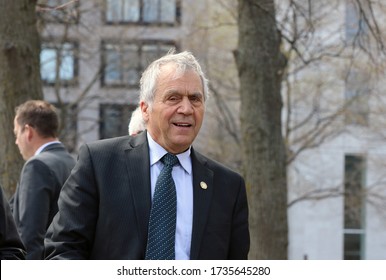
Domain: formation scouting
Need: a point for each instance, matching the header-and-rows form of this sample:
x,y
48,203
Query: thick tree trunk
x,y
260,63
19,78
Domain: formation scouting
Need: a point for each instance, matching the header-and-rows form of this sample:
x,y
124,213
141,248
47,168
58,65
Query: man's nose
x,y
186,106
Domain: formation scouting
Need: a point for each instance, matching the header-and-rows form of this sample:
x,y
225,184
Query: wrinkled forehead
x,y
176,70
172,71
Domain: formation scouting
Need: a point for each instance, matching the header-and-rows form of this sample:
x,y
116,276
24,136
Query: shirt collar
x,y
156,152
38,151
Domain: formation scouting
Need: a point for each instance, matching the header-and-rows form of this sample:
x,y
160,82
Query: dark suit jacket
x,y
35,199
11,246
104,206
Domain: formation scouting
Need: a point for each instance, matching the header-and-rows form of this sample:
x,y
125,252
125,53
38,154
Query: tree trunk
x,y
260,64
19,79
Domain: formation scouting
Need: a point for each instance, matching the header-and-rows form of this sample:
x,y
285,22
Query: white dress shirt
x,y
183,179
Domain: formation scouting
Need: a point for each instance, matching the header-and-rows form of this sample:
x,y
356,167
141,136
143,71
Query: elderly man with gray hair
x,y
153,196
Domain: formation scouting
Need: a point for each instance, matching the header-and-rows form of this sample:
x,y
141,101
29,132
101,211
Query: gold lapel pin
x,y
203,185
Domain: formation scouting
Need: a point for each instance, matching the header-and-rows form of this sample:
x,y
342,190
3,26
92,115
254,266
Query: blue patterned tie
x,y
162,224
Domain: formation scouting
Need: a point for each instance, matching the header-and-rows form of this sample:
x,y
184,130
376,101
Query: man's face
x,y
22,140
177,112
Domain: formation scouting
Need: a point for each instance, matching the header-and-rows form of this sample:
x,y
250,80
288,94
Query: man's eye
x,y
195,99
173,98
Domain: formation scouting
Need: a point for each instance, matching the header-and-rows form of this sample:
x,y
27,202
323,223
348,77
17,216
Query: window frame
x,y
140,67
350,231
141,20
127,110
53,45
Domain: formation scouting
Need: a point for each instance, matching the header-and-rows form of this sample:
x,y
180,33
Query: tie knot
x,y
169,159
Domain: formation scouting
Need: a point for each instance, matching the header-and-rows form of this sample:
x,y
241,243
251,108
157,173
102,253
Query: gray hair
x,y
137,123
184,61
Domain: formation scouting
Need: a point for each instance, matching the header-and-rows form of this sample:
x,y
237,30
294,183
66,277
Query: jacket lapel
x,y
202,196
138,172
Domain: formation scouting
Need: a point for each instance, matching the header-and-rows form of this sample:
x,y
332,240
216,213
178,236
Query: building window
x,y
68,116
143,11
124,63
58,63
355,24
357,93
114,120
353,207
58,11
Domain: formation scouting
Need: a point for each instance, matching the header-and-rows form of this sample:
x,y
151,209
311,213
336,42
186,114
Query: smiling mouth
x,y
182,124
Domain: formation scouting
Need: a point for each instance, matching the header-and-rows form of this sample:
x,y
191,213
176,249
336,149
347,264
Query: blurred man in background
x,y
47,166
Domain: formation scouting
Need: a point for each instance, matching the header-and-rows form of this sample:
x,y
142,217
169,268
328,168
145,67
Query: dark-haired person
x,y
11,246
47,166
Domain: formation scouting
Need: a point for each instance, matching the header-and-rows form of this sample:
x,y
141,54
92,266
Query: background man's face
x,y
21,140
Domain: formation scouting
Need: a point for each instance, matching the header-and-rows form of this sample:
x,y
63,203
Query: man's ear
x,y
30,131
145,110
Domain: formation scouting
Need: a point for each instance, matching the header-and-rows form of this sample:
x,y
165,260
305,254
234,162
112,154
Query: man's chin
x,y
181,145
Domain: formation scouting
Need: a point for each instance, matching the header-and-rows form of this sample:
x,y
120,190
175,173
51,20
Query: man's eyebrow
x,y
197,94
172,91
175,91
